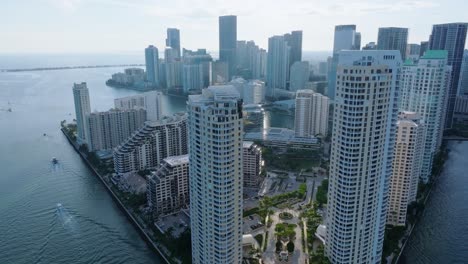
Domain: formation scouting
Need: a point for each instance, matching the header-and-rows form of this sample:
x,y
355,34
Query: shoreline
x,y
433,183
119,203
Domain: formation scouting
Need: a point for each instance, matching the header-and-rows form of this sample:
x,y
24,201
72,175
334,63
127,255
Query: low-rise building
x,y
282,138
168,186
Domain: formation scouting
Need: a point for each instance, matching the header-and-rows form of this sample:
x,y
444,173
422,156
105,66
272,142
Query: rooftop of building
x,y
435,54
216,92
177,160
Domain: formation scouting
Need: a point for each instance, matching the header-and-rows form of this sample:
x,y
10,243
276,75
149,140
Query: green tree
x,y
290,247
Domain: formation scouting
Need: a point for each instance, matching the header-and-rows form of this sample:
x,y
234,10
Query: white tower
x,y
215,150
424,90
82,109
311,116
361,155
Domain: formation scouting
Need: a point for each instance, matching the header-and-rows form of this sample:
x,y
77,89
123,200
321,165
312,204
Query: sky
x,y
107,26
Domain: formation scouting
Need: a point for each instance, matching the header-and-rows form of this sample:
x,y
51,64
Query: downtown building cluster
x,y
391,103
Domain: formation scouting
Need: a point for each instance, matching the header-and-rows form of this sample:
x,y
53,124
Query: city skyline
x,y
77,20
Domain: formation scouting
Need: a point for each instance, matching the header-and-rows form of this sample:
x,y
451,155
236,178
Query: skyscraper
x,y
192,77
215,133
82,110
152,64
173,40
294,41
413,50
228,42
406,166
202,58
393,38
110,128
365,116
450,37
299,75
150,101
424,90
357,41
463,83
424,46
277,64
344,39
311,117
174,69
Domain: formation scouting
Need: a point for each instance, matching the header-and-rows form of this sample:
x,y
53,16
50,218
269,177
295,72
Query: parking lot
x,y
177,222
251,224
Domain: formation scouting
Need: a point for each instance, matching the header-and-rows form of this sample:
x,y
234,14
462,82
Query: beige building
x,y
168,187
407,164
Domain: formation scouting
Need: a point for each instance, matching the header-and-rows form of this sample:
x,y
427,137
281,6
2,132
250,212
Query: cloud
x,y
66,4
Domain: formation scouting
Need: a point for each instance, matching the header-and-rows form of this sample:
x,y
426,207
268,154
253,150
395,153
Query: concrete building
x,y
216,177
323,68
174,68
202,58
344,39
168,186
173,40
282,138
192,77
228,42
370,46
251,60
219,73
450,37
152,65
153,142
424,46
393,38
357,41
150,101
254,92
294,41
277,65
409,145
108,129
424,89
365,117
300,72
82,110
413,51
460,116
463,83
311,117
252,164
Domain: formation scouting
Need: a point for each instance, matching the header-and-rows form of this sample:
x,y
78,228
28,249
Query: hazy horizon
x,y
96,26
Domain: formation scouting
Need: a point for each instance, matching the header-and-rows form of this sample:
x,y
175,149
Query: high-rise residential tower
x,y
463,83
393,38
424,90
450,37
228,42
365,117
173,39
344,39
424,46
152,64
150,101
299,75
406,166
215,132
82,110
277,64
294,41
311,116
